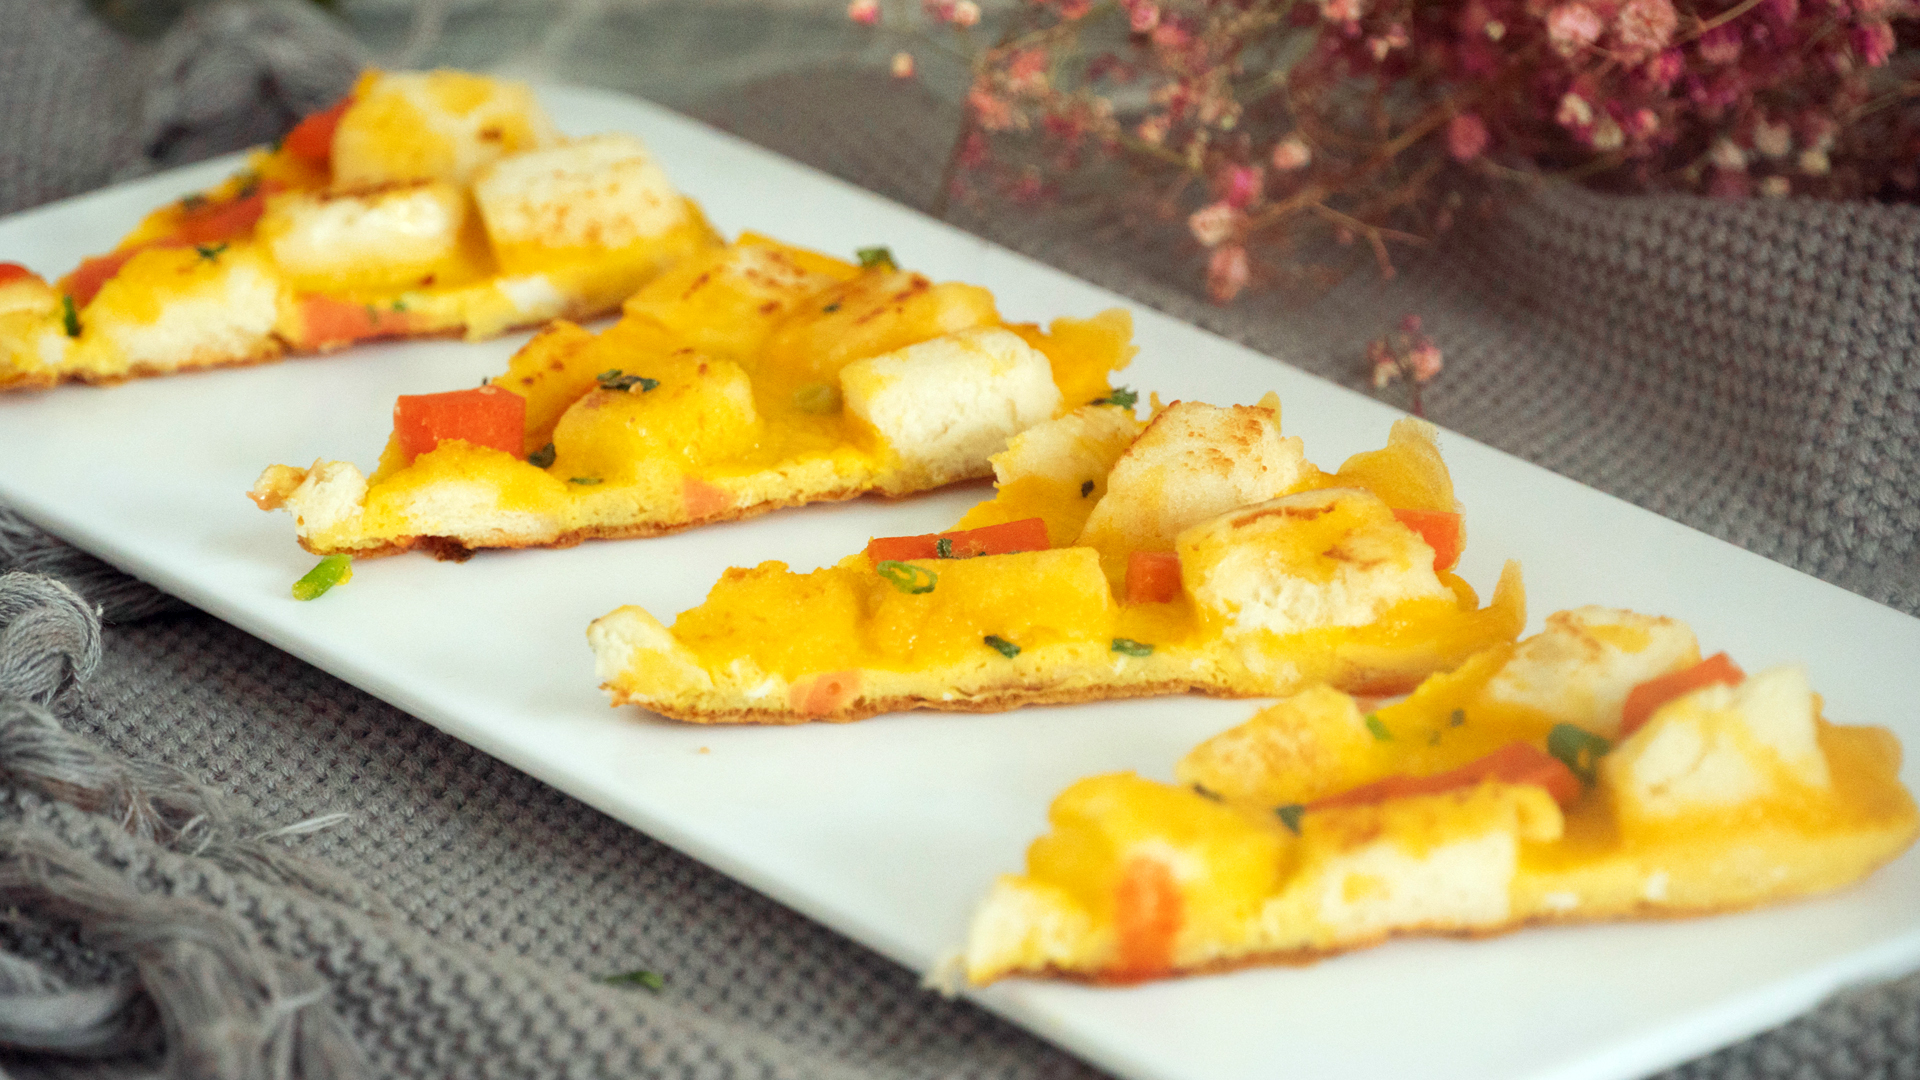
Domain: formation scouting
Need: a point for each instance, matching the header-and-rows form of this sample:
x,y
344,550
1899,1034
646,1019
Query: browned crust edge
x,y
1001,700
1641,912
455,549
280,348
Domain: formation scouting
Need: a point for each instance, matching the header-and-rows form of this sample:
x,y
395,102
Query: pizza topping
x,y
1578,749
311,140
1002,646
488,416
1514,763
330,571
872,258
1027,534
1645,699
1378,728
1148,909
69,318
1153,577
819,399
1130,647
12,272
541,458
907,577
1121,396
1442,530
615,379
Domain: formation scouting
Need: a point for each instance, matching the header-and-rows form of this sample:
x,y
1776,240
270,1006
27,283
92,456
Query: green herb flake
x,y
651,980
1379,729
248,187
1289,816
1131,647
872,258
615,379
1002,646
1204,793
399,305
943,547
1578,749
819,399
332,570
541,458
69,316
195,201
907,577
1121,396
585,481
1086,488
831,308
210,252
1457,717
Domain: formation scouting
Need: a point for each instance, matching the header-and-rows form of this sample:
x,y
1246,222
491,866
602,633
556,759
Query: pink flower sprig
x,y
1407,354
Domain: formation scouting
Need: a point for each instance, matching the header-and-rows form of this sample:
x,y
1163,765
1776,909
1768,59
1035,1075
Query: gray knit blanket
x,y
216,861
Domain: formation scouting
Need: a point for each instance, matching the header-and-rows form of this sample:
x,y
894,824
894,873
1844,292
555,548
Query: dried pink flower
x,y
1424,360
1342,11
864,12
1572,27
1070,10
1291,153
1227,273
1574,111
1872,43
1213,223
903,65
1467,137
964,13
990,111
1027,70
1153,130
1644,27
1142,15
1720,45
1243,183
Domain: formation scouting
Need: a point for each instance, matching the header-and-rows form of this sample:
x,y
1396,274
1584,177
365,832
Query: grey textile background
x,y
1750,369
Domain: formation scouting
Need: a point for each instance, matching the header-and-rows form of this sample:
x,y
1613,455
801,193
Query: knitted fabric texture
x,y
1779,336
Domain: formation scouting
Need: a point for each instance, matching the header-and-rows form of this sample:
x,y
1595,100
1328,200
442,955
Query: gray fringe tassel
x,y
198,981
116,597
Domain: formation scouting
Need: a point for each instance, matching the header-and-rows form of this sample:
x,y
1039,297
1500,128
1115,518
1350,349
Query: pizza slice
x,y
1600,770
748,378
424,203
1198,552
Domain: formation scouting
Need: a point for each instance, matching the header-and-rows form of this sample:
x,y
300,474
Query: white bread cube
x,y
1306,747
1718,747
433,125
1580,668
1028,925
1080,446
600,194
175,308
946,405
33,339
390,236
1331,557
1193,462
628,639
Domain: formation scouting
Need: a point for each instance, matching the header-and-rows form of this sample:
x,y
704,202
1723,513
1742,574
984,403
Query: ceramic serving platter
x,y
890,830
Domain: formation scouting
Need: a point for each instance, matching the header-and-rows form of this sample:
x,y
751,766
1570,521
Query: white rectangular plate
x,y
889,830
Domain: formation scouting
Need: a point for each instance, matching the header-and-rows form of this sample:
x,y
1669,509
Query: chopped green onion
x,y
817,398
615,379
1379,729
1132,647
1458,717
1086,489
831,308
210,252
876,257
652,980
541,458
332,570
1578,749
1290,816
399,305
193,202
943,547
69,317
1001,645
585,481
1121,396
907,577
1204,793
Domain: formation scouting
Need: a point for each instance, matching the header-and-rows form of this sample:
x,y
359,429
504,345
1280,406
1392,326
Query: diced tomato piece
x,y
1443,530
824,695
1027,534
216,222
1148,911
12,272
488,416
1153,577
1645,700
1514,763
311,139
705,500
329,322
